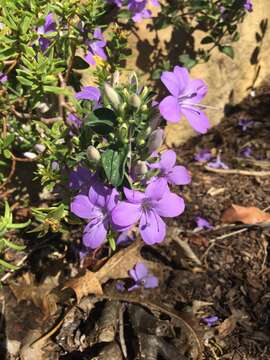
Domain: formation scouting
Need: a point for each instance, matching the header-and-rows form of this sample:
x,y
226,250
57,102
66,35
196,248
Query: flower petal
x,y
97,195
152,228
170,205
198,88
170,109
94,234
197,119
168,160
171,82
134,196
182,77
81,206
156,189
141,271
179,176
88,93
150,282
89,58
125,215
112,199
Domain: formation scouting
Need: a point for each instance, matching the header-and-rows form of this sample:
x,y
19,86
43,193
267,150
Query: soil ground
x,y
222,273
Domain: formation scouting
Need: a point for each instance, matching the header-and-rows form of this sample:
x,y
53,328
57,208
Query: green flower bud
x,y
135,101
93,154
112,96
133,80
144,108
144,92
123,132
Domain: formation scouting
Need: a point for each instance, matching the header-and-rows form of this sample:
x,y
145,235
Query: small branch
x,y
188,251
71,62
11,173
238,172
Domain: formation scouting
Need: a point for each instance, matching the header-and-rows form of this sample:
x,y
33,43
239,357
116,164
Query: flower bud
x,y
141,168
116,76
135,101
55,166
30,155
123,107
144,107
155,140
112,96
40,148
93,154
145,91
123,132
133,80
43,107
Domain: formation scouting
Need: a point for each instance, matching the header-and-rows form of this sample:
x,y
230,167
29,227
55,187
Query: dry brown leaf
x,y
84,285
227,327
39,294
246,215
35,351
116,267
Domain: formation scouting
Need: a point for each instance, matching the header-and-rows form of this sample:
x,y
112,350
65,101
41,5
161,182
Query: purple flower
x,y
96,208
88,93
248,5
95,47
125,237
141,277
210,320
3,78
73,120
203,155
246,152
184,99
48,27
175,175
203,223
218,164
245,124
148,208
120,286
81,180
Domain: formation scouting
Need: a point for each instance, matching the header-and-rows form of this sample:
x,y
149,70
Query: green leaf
x,y
207,40
7,154
112,243
56,90
113,163
187,61
101,121
8,265
80,63
227,50
24,81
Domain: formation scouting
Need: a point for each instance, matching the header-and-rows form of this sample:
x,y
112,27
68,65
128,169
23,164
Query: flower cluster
x,y
124,181
138,8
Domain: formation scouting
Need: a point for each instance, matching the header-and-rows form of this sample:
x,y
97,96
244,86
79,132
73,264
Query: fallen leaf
x,y
84,285
40,294
116,267
36,350
227,327
246,215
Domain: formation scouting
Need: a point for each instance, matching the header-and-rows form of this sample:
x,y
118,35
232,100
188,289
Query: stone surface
x,y
229,80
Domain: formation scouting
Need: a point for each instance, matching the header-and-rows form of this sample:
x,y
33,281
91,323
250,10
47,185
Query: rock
x,y
229,80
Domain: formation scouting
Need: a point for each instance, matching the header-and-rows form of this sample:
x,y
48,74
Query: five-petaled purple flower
x,y
175,175
95,47
148,208
3,78
203,223
210,320
218,164
248,5
140,275
245,124
184,99
81,180
203,155
96,208
138,9
48,27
